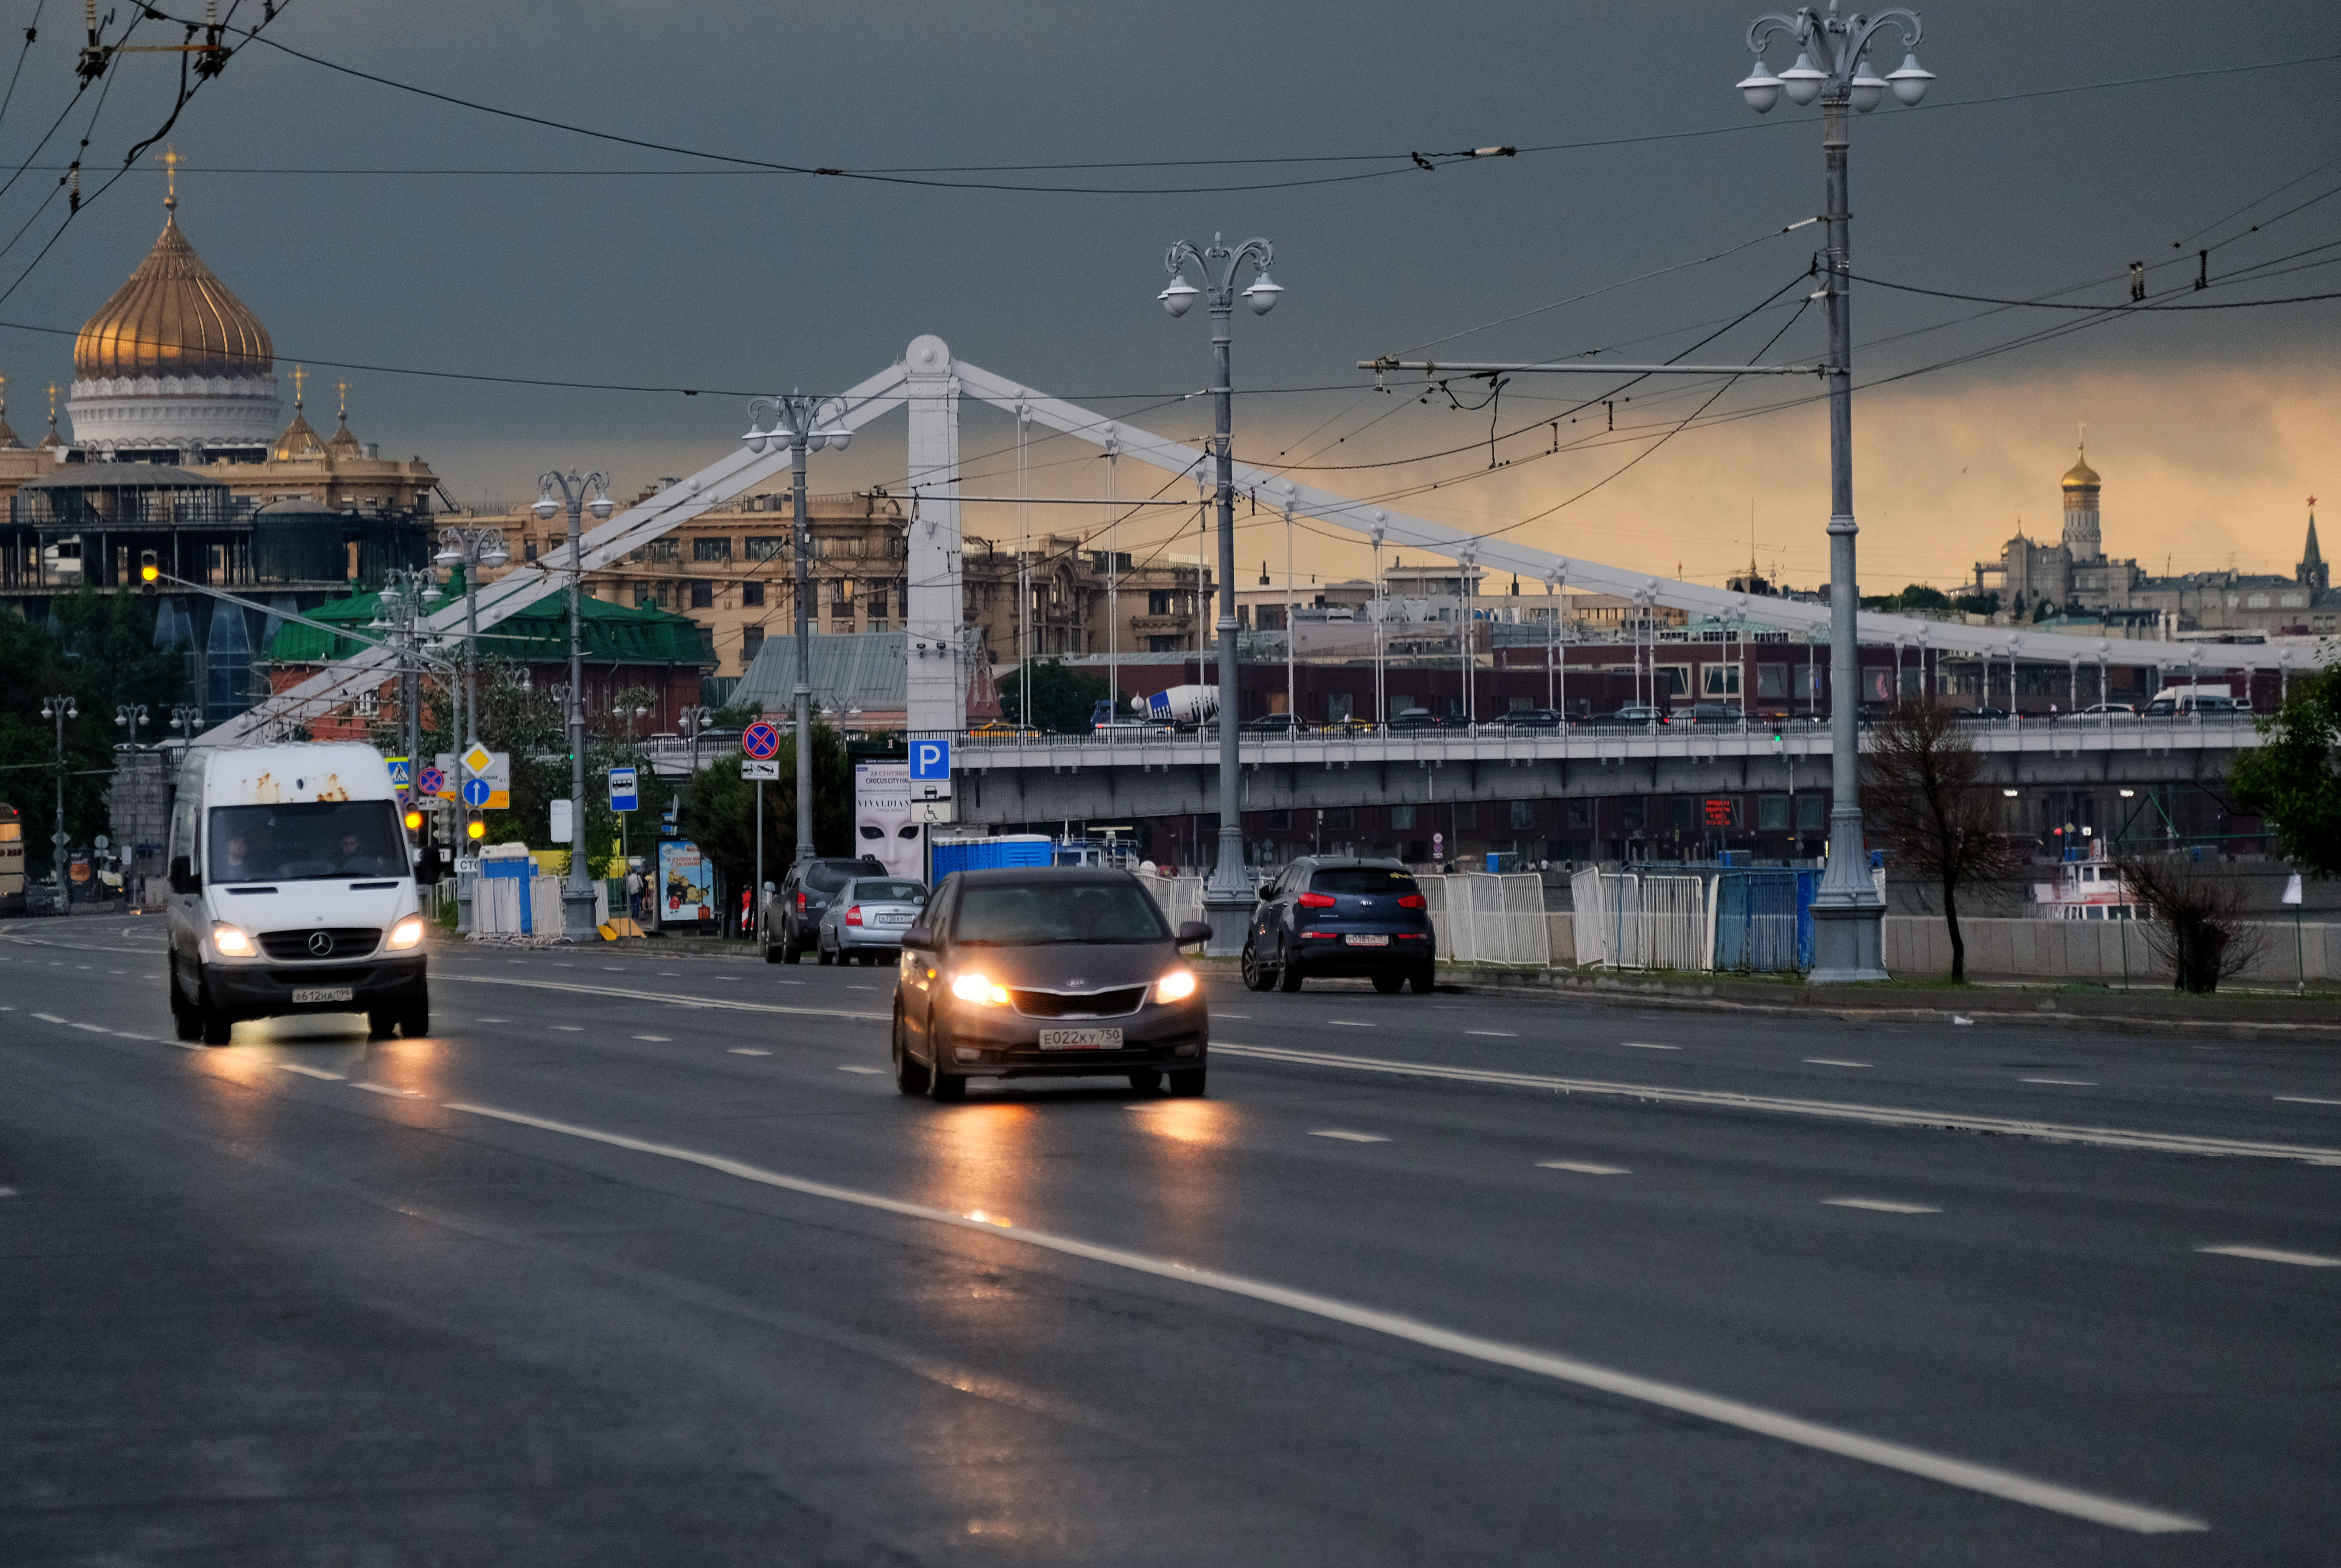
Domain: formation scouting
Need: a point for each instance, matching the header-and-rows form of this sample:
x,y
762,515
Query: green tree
x,y
99,650
2294,778
1923,793
1063,699
719,812
1919,596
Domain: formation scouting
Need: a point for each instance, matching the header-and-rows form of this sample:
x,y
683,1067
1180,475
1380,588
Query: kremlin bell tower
x,y
2081,490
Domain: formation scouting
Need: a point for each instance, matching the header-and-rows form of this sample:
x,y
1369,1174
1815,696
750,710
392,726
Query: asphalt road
x,y
641,1259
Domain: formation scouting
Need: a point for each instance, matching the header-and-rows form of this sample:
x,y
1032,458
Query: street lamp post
x,y
1833,65
130,716
577,897
1227,895
798,424
59,708
471,548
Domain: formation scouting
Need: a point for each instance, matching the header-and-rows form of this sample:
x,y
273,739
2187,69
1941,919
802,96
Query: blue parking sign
x,y
930,760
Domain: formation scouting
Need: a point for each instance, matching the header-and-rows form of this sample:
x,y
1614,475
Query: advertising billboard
x,y
883,825
686,882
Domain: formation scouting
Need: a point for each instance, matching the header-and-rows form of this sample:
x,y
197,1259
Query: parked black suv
x,y
794,914
1333,915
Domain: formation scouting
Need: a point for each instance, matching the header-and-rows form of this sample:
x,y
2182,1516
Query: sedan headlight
x,y
975,988
231,942
1175,986
407,932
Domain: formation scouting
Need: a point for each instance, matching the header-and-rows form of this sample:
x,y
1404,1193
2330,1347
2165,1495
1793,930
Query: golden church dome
x,y
2081,476
173,318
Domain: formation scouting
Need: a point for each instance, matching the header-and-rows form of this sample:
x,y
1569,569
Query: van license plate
x,y
1080,1039
1366,941
304,995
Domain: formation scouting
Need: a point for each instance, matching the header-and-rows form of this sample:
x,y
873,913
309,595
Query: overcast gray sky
x,y
2211,428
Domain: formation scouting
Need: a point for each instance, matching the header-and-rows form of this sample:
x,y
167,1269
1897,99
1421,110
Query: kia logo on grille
x,y
320,944
1077,981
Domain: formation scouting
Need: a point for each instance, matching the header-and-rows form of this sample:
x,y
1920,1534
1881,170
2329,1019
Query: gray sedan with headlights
x,y
1035,972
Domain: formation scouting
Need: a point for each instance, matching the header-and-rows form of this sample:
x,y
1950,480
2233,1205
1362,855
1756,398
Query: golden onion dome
x,y
2081,476
173,318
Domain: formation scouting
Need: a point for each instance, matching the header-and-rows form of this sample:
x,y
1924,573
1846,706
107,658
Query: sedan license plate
x,y
1080,1039
303,995
1365,941
893,919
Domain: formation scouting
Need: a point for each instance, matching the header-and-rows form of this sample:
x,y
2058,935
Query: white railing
x,y
1482,919
1637,920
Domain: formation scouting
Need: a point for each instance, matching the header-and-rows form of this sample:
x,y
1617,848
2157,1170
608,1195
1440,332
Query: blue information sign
x,y
930,760
622,795
476,791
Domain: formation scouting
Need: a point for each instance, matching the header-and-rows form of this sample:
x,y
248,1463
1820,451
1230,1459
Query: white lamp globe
x,y
1909,83
1761,88
600,506
1869,87
1179,296
545,505
1802,82
1263,294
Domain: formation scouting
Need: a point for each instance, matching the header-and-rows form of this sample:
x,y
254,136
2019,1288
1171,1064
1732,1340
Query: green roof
x,y
612,633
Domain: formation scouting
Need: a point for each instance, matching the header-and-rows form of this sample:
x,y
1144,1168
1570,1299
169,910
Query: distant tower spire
x,y
2082,488
343,388
299,376
2313,572
171,161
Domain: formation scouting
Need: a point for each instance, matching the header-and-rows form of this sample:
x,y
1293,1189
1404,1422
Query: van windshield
x,y
1051,912
306,841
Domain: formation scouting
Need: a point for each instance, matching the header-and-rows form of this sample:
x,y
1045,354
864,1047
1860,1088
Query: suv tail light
x,y
1316,900
800,900
853,916
1410,901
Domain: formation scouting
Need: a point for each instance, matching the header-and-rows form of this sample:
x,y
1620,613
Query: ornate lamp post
x,y
130,716
1228,895
577,897
59,709
1833,65
471,548
798,424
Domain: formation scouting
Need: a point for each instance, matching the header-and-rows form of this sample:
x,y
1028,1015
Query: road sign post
x,y
931,773
624,798
762,742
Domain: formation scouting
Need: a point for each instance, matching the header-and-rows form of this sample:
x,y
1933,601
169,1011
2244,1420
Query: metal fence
x,y
1634,920
1483,919
1181,899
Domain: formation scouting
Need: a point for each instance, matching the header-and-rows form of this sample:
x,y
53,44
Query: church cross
x,y
343,388
299,376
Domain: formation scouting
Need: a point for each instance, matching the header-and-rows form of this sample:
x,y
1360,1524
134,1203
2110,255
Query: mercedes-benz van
x,y
291,890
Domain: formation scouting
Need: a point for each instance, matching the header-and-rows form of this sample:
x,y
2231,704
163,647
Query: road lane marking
x,y
849,1067
1582,1168
660,1038
2305,1100
1646,1045
1350,1138
1245,1015
387,1090
1880,1204
725,1003
492,1021
1988,1480
1347,1024
748,1051
571,1029
307,1071
1493,1034
1833,1062
2270,1255
2071,1083
1835,1110
95,1028
48,1018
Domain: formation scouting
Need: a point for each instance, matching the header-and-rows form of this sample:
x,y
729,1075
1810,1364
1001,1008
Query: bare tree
x,y
1923,792
2197,925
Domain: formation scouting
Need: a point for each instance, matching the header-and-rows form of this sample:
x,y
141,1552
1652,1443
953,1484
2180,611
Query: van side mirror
x,y
1193,931
919,936
183,876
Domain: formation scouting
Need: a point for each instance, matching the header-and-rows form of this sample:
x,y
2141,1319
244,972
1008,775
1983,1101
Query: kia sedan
x,y
1032,972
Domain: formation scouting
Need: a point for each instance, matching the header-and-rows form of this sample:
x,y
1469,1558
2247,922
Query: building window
x,y
1808,813
1682,813
711,550
1772,813
702,596
1401,819
528,549
752,638
1160,644
877,605
841,597
644,599
1719,680
1633,811
1399,701
767,547
707,643
1467,815
752,595
1339,706
1523,814
1335,818
1672,679
1279,821
842,628
1580,813
1158,601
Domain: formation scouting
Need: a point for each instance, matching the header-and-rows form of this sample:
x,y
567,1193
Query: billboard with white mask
x,y
883,823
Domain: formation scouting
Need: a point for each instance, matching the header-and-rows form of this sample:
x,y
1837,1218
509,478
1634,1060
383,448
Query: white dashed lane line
x,y
2069,1083
307,1071
2271,1254
571,1029
2305,1100
1493,1034
1880,1204
1647,1045
748,1051
849,1067
387,1090
1350,1138
1833,1062
1349,1024
1582,1168
661,1040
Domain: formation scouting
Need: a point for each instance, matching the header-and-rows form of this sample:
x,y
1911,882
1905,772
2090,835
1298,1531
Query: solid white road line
x,y
2270,1255
2070,1083
1987,1479
725,1003
1582,1168
1350,1138
2305,1100
1835,1110
307,1071
1880,1204
1833,1062
748,1051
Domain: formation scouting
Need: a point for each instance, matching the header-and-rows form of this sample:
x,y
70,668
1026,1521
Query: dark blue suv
x,y
1328,916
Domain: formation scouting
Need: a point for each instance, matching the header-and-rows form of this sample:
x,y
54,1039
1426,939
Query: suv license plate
x,y
303,995
1080,1039
1365,941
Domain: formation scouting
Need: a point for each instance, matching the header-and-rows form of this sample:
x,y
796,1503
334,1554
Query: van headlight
x,y
975,988
1175,986
231,942
407,932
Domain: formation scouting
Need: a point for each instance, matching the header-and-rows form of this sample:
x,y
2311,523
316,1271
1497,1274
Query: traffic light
x,y
415,818
475,826
149,569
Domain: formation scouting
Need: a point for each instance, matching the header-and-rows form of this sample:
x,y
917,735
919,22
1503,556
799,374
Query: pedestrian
x,y
634,892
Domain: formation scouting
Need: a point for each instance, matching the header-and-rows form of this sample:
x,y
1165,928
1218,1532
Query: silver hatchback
x,y
866,919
